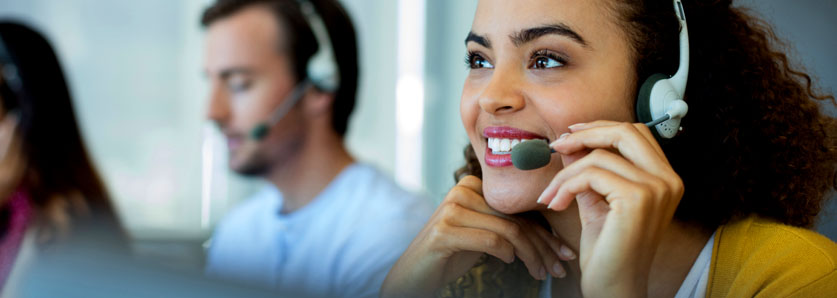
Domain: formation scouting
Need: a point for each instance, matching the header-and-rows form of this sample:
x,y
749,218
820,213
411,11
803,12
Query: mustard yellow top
x,y
756,257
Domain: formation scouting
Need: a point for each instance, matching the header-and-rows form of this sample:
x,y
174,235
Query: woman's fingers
x,y
593,179
472,183
626,138
650,200
563,252
599,158
471,239
552,251
643,129
510,231
468,193
464,207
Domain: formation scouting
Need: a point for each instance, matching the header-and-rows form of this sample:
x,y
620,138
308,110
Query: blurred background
x,y
135,73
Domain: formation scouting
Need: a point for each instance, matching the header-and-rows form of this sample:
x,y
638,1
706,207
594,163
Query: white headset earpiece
x,y
660,101
322,67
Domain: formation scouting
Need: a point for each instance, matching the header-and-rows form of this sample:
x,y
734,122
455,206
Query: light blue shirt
x,y
342,244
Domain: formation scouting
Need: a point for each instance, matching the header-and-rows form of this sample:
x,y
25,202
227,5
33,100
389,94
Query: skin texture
x,y
250,75
608,194
12,158
544,101
249,79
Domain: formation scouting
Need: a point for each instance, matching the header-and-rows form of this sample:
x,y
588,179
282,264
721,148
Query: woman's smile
x,y
499,142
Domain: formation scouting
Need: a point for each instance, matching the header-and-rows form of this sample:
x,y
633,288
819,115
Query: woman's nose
x,y
502,94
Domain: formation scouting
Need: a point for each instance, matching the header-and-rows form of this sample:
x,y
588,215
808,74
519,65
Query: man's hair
x,y
302,44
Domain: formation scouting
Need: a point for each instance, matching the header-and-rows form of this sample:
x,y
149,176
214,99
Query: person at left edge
x,y
325,225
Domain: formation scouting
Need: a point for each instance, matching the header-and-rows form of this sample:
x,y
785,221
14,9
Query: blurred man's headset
x,y
321,71
660,103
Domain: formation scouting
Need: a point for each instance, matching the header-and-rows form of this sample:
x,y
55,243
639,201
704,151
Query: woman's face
x,y
12,158
537,67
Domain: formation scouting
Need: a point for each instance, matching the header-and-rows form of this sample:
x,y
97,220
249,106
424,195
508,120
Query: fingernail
x,y
574,126
540,199
552,204
559,270
567,252
560,138
542,273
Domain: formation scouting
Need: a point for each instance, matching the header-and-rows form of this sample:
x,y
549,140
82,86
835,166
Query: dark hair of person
x,y
65,188
756,139
303,44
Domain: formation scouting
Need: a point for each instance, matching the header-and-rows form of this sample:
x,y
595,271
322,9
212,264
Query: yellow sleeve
x,y
755,257
823,287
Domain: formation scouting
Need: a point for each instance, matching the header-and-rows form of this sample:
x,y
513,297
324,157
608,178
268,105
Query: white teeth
x,y
503,146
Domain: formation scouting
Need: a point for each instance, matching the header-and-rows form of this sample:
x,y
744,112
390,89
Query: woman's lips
x,y
500,140
509,133
497,160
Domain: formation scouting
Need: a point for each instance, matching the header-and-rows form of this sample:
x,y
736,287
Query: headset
x,y
660,103
321,71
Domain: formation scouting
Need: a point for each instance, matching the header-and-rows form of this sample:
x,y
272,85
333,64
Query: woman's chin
x,y
510,198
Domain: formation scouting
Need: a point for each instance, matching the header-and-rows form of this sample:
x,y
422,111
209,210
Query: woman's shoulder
x,y
769,236
758,255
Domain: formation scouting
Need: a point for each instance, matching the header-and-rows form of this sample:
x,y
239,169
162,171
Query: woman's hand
x,y
627,193
462,229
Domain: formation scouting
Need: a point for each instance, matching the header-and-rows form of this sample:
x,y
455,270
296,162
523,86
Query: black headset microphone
x,y
659,104
321,72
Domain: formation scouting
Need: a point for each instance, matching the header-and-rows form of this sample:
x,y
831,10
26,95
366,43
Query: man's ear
x,y
318,103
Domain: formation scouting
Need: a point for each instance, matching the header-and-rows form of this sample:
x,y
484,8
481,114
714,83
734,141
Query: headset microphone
x,y
321,71
261,130
531,154
659,105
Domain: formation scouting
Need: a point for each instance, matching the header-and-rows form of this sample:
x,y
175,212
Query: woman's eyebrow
x,y
527,35
479,39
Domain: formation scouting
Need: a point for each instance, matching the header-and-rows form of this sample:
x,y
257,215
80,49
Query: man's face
x,y
250,75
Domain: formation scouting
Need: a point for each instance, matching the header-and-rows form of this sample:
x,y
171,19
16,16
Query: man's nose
x,y
219,106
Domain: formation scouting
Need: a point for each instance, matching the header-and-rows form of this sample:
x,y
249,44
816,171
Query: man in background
x,y
325,225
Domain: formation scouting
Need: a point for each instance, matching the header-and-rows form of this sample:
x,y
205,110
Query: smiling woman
x,y
646,218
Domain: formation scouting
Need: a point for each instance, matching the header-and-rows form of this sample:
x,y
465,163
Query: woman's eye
x,y
476,61
546,60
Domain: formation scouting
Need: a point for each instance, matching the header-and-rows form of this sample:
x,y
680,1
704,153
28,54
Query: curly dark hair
x,y
756,140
